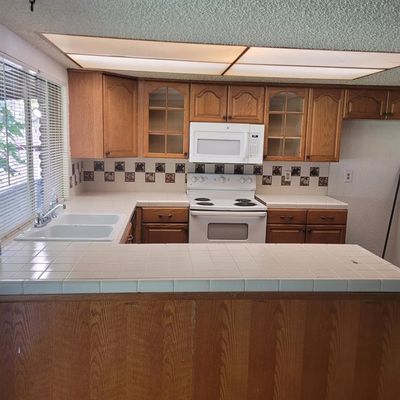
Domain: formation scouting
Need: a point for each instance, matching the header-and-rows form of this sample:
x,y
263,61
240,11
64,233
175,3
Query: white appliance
x,y
226,143
223,209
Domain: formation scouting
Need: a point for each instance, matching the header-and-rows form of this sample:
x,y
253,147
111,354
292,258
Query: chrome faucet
x,y
43,219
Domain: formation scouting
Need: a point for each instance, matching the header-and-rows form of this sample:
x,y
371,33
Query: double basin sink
x,y
77,227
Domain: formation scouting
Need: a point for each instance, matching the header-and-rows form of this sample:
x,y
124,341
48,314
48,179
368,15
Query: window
x,y
33,159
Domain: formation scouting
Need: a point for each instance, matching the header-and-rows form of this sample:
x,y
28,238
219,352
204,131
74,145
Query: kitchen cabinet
x,y
324,124
285,123
223,103
393,105
306,226
165,119
127,236
163,225
365,104
102,112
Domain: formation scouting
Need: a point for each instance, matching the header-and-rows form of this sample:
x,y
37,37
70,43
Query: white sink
x,y
88,219
77,227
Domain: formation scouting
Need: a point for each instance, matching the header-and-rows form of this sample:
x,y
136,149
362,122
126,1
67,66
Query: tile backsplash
x,y
134,174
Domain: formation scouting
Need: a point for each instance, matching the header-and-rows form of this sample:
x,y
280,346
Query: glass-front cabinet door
x,y
285,123
166,119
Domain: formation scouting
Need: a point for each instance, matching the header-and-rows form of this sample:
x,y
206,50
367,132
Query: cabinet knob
x,y
108,153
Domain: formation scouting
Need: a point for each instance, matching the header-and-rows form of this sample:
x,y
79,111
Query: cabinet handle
x,y
108,153
185,154
162,215
324,218
286,217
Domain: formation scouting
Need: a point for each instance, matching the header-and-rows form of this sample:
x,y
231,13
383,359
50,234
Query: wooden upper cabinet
x,y
365,103
285,123
246,104
165,119
324,124
119,104
86,114
208,103
222,103
102,115
393,105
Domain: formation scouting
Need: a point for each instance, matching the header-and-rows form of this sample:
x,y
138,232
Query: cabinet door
x,y
285,233
393,106
119,104
324,125
127,236
86,114
208,103
166,119
164,233
246,104
365,104
334,234
285,123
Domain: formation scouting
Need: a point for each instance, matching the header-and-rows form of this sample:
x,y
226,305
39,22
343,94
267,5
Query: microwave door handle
x,y
246,146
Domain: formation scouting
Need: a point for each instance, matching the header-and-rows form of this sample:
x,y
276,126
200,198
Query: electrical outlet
x,y
288,176
348,176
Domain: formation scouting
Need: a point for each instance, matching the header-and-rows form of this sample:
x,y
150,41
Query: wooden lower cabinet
x,y
286,233
201,346
306,226
164,233
333,234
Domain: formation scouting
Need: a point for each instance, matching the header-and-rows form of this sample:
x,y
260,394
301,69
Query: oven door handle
x,y
251,214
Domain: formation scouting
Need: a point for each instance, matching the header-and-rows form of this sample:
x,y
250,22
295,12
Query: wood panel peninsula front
x,y
283,322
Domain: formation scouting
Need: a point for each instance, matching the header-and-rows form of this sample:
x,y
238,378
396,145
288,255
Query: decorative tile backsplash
x,y
170,175
76,175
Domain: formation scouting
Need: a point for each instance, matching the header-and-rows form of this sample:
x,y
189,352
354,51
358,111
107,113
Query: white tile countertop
x,y
71,267
300,201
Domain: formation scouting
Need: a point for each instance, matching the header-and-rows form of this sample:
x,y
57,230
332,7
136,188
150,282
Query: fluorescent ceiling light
x,y
282,71
145,49
150,65
319,58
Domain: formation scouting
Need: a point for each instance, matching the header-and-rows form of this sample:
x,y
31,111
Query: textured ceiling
x,y
366,25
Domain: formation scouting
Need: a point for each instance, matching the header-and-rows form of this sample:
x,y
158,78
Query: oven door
x,y
226,226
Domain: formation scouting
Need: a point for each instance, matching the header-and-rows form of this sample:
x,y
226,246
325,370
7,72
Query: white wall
x,y
371,149
20,50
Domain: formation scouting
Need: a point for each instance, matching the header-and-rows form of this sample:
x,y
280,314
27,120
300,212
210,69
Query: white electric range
x,y
223,209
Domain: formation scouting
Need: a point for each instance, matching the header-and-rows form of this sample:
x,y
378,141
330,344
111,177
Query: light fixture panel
x,y
149,65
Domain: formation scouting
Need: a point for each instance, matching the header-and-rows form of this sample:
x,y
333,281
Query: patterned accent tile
x,y
150,177
219,168
119,166
129,177
98,165
314,171
180,168
238,169
169,178
80,176
276,170
257,169
75,180
267,180
160,167
88,176
140,167
199,168
284,182
304,181
323,181
109,176
296,171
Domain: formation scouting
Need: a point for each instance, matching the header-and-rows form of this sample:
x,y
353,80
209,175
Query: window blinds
x,y
33,159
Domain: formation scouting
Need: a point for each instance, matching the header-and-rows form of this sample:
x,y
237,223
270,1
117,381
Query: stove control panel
x,y
221,181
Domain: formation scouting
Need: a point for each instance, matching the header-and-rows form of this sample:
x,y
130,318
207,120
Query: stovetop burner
x,y
245,204
243,200
202,199
205,203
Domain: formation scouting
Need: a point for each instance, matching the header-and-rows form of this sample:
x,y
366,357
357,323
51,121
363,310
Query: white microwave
x,y
212,142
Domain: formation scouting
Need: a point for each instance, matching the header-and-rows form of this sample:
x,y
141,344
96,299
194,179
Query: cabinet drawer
x,y
165,233
165,215
287,216
327,217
